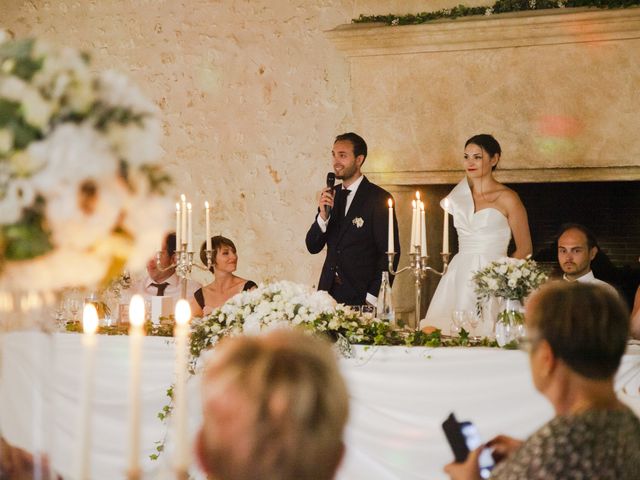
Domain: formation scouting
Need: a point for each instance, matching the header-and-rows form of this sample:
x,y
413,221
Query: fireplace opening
x,y
610,209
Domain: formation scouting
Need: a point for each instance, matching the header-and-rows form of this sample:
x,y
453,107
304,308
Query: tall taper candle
x,y
183,218
181,336
412,245
83,447
207,224
189,228
423,231
178,228
445,227
390,239
136,334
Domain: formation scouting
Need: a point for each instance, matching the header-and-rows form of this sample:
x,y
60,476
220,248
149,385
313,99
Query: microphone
x,y
331,181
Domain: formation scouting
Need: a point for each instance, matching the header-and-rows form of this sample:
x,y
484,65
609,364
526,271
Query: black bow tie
x,y
161,288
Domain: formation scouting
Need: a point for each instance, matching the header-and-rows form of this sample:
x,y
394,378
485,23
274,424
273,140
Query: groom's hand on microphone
x,y
326,199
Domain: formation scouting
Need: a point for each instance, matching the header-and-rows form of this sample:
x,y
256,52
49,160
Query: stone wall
x,y
252,94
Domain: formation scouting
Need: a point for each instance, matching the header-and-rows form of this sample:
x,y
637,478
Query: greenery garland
x,y
500,6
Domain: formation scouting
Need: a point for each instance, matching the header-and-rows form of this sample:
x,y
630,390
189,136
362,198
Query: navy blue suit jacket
x,y
356,246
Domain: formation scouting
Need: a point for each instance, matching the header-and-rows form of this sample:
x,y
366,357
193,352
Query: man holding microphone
x,y
352,221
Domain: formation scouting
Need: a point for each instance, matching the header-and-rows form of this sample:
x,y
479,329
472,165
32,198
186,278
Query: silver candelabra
x,y
184,264
418,265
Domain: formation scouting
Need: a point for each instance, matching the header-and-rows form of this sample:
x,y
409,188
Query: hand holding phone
x,y
464,437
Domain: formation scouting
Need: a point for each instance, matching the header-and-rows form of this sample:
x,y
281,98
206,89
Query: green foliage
x,y
27,238
500,6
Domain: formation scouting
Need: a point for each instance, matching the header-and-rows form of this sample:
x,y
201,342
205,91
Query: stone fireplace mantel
x,y
507,30
558,88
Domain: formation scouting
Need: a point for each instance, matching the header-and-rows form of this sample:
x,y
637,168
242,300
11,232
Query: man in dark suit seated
x,y
352,221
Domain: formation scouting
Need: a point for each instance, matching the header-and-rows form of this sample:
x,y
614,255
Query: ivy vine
x,y
500,6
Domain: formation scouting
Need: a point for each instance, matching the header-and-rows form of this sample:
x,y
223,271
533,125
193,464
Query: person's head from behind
x,y
158,267
349,153
579,327
577,247
225,255
274,407
481,155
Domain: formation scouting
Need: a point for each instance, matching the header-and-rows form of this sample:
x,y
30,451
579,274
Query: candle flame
x,y
177,206
413,204
390,203
136,311
89,319
206,205
183,312
417,195
189,206
422,206
183,198
446,203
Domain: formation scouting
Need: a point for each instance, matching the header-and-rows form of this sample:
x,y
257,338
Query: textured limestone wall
x,y
252,93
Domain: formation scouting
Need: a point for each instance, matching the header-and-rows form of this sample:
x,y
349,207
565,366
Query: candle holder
x,y
418,265
184,265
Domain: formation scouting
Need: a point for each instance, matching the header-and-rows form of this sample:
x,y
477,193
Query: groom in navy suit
x,y
352,221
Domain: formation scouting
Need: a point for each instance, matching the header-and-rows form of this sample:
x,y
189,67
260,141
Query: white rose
x,y
6,140
13,88
65,153
513,282
19,194
37,110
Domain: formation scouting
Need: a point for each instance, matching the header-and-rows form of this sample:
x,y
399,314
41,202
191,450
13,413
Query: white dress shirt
x,y
590,278
145,288
353,188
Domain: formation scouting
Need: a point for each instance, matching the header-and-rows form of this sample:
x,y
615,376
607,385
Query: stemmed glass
x,y
474,320
73,303
460,319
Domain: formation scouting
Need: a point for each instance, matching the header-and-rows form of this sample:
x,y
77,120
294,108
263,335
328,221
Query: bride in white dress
x,y
485,213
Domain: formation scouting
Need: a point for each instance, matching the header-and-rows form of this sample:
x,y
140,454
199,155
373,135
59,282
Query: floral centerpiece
x,y
511,280
80,182
277,305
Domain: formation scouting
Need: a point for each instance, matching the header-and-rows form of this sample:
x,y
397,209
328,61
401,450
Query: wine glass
x,y
473,319
72,304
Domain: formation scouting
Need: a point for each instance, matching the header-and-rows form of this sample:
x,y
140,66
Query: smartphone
x,y
464,437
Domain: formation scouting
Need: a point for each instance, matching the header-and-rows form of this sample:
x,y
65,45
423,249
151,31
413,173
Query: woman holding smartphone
x,y
577,334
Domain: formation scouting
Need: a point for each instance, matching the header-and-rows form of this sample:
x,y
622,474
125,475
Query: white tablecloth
x,y
399,398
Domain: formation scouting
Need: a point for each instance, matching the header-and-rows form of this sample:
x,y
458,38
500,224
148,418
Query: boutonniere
x,y
358,222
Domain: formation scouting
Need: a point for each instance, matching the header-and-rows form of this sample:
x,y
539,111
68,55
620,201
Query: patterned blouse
x,y
598,444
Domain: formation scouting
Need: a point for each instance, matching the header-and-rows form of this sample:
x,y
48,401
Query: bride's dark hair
x,y
488,144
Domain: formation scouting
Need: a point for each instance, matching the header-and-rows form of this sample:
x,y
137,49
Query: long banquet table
x,y
399,398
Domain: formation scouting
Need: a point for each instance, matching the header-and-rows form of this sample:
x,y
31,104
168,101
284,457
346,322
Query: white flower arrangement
x,y
508,278
279,305
80,182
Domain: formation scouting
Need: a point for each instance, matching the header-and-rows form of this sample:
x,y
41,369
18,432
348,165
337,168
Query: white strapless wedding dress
x,y
482,237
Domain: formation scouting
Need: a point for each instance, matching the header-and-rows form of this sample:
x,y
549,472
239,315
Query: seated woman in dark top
x,y
577,334
225,284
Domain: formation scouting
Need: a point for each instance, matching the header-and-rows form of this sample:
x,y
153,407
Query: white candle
x,y
423,231
178,228
416,240
412,245
136,334
83,447
390,239
183,219
181,335
189,228
445,227
207,224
